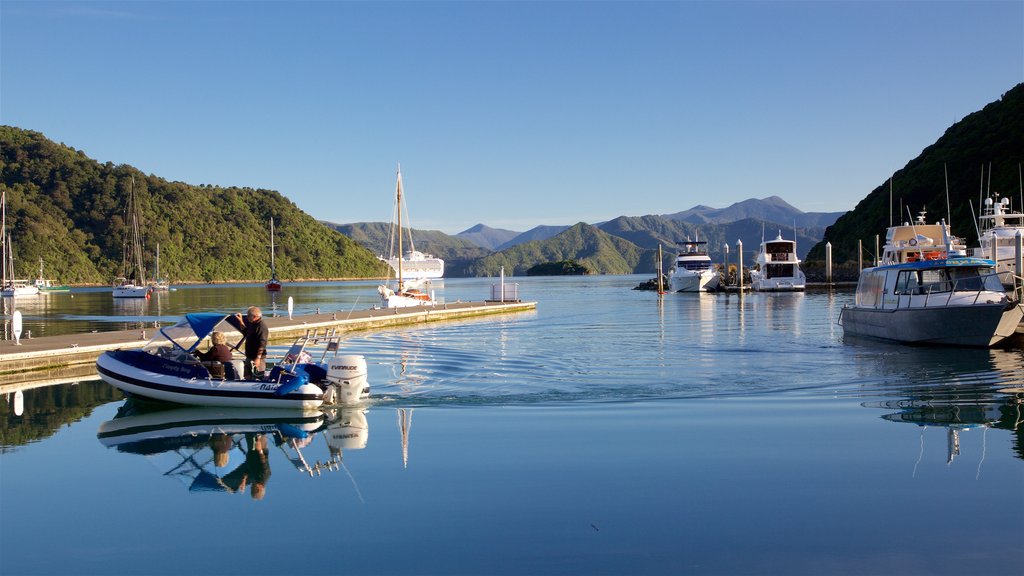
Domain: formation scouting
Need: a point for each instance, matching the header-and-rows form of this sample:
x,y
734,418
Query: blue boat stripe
x,y
268,395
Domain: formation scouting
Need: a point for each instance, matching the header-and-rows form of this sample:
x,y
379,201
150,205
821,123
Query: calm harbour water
x,y
604,433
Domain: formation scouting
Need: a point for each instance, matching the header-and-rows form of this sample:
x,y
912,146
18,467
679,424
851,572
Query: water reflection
x,y
229,450
957,409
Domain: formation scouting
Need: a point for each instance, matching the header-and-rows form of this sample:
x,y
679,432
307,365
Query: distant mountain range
x,y
623,245
771,209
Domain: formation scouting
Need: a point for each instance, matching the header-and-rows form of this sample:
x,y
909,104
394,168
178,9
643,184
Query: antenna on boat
x,y
975,219
890,201
1021,183
920,250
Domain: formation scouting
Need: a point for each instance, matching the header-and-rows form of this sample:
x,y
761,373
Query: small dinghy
x,y
168,369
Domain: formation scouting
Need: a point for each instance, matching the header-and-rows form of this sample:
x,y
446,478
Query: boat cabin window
x,y
869,288
907,283
970,278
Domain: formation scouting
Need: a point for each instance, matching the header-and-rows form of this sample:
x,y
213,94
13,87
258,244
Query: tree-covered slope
x,y
68,210
993,136
597,250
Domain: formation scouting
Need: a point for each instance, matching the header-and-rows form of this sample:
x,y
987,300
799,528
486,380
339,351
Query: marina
x,y
578,437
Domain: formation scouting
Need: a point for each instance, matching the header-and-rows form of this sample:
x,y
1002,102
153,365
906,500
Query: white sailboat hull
x,y
131,291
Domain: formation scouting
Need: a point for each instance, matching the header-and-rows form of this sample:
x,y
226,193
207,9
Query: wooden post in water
x,y
725,270
828,262
878,259
739,264
860,254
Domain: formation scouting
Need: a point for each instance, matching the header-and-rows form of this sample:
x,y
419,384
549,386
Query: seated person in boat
x,y
219,350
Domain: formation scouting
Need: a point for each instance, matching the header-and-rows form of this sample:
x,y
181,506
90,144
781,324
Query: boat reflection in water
x,y
958,410
228,450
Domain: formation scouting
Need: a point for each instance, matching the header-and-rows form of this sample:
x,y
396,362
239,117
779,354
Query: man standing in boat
x,y
256,335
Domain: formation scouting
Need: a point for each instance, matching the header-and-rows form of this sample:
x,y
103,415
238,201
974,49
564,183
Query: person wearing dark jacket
x,y
256,336
219,350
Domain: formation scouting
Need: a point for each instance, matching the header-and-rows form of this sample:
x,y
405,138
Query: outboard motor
x,y
346,380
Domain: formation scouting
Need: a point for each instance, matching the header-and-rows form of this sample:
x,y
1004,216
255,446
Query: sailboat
x,y
9,286
406,293
45,285
131,284
159,284
273,285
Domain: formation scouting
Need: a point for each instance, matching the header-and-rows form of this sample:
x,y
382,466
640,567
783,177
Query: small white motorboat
x,y
167,369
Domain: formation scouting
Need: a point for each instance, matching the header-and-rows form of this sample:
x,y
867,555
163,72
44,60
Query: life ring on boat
x,y
913,242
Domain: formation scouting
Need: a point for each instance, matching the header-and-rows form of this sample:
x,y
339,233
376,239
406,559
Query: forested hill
x,y
68,210
992,137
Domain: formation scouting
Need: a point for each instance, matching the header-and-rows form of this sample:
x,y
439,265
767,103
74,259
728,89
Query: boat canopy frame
x,y
193,329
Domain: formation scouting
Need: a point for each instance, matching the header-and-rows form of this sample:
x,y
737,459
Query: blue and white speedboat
x,y
925,292
167,369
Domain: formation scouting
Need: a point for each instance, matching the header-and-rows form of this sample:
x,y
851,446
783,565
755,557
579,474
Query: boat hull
x,y
19,291
979,325
686,281
191,388
131,291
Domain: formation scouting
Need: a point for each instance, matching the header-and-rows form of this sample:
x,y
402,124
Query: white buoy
x,y
17,327
291,306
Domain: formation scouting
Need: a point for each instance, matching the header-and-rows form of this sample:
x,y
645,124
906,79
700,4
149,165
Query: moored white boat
x,y
9,285
926,292
778,267
167,370
693,270
417,266
407,292
998,226
132,284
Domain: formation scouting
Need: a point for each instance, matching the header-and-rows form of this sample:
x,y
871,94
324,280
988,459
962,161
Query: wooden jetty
x,y
38,358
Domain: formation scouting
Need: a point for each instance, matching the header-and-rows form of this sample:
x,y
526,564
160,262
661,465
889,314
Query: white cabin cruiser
x,y
998,226
778,267
166,369
693,271
925,291
946,301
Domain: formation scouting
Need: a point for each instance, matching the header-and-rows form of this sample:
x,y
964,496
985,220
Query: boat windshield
x,y
958,279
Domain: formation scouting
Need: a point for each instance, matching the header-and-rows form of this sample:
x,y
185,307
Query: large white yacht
x,y
998,225
778,267
693,271
418,266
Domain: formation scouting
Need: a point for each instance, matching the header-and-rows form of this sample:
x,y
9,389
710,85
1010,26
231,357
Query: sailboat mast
x,y
3,235
273,270
398,201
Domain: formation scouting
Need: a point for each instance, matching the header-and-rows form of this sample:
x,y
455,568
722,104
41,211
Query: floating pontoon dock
x,y
55,352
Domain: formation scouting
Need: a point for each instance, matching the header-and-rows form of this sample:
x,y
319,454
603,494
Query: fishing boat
x,y
167,369
45,285
926,291
273,285
693,271
998,226
9,285
132,283
778,267
159,283
408,292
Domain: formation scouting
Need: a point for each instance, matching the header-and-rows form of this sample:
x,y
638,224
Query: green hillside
x,y
588,245
993,136
69,210
457,253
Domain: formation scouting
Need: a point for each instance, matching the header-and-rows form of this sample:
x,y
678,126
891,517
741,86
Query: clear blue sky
x,y
512,114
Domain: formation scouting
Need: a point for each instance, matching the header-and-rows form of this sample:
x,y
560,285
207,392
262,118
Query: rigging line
x,y
984,448
920,454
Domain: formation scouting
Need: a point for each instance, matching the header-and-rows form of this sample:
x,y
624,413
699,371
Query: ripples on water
x,y
591,339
